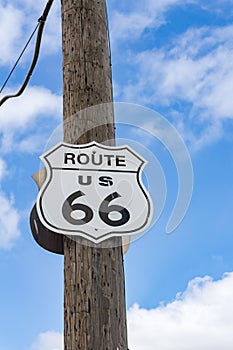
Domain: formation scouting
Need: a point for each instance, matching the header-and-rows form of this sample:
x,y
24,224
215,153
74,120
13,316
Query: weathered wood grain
x,y
94,295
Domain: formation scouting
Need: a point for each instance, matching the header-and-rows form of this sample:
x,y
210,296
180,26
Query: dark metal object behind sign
x,y
44,237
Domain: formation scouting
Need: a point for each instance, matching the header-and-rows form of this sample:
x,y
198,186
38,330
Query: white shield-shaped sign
x,y
94,191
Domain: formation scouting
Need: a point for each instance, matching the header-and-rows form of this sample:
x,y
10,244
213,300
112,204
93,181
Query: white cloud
x,y
31,143
11,27
193,68
9,222
129,25
51,40
200,318
3,169
36,101
17,23
125,26
9,216
139,16
48,341
195,72
19,115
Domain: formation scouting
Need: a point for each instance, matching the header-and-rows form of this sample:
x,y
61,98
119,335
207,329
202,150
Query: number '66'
x,y
104,210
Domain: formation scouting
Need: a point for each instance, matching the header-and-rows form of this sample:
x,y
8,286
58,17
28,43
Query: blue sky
x,y
174,57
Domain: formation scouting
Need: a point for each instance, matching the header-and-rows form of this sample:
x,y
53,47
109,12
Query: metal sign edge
x,y
82,234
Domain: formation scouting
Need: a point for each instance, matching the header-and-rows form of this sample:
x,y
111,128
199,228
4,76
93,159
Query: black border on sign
x,y
84,234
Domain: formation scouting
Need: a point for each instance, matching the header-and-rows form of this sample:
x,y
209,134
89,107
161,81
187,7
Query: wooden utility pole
x,y
94,295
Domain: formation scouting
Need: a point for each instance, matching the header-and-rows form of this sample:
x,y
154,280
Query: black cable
x,y
40,27
16,63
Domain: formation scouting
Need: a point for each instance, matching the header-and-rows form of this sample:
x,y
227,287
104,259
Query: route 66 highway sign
x,y
94,191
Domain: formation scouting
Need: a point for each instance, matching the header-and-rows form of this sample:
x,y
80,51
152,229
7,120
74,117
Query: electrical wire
x,y
16,63
40,27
